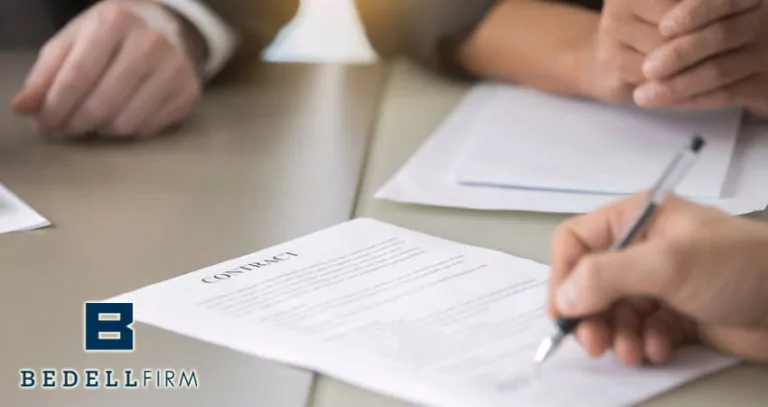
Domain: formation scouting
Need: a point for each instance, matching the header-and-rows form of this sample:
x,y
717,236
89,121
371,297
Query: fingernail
x,y
668,26
566,296
647,94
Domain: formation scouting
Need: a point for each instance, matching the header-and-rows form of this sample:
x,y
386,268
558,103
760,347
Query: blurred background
x,y
323,31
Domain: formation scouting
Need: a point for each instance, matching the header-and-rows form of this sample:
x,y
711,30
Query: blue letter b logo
x,y
108,327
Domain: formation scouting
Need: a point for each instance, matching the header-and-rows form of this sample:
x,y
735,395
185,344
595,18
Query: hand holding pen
x,y
665,186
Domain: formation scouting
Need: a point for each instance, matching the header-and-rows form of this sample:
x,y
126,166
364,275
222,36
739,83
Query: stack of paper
x,y
424,319
17,216
512,148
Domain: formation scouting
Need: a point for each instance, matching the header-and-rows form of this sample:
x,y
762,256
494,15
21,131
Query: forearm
x,y
532,43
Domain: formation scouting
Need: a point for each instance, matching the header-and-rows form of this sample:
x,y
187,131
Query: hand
x,y
695,275
123,68
626,34
716,55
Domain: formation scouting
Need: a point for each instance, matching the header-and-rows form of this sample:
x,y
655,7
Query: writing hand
x,y
695,275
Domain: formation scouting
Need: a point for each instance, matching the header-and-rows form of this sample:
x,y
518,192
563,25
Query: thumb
x,y
43,74
599,280
28,101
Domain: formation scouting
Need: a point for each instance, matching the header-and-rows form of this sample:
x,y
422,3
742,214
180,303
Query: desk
x,y
414,104
270,159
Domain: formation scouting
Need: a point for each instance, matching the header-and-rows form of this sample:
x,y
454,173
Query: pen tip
x,y
697,143
545,348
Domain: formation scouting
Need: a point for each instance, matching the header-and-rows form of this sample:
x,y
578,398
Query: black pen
x,y
665,186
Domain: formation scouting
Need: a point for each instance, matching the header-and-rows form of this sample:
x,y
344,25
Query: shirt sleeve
x,y
220,38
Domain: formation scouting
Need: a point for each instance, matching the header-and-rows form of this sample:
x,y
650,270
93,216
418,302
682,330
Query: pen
x,y
666,185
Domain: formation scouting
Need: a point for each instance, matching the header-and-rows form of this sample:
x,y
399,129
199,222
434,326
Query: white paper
x,y
525,138
17,216
420,318
426,177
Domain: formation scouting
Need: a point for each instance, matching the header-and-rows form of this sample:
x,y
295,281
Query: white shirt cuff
x,y
217,34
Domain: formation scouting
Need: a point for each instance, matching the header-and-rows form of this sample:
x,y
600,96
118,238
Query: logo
x,y
109,327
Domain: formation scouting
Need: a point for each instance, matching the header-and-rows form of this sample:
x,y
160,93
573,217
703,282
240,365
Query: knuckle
x,y
76,78
154,41
608,26
196,90
95,112
50,48
686,226
751,27
677,54
718,34
615,91
716,72
114,14
180,67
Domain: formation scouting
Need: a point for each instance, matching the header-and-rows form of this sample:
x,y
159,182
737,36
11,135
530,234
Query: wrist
x,y
583,66
758,251
193,41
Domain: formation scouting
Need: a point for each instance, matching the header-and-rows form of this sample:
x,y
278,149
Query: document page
x,y
399,312
528,139
17,216
426,177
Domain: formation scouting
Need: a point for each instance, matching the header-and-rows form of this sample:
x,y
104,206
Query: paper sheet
x,y
409,315
17,216
426,177
525,138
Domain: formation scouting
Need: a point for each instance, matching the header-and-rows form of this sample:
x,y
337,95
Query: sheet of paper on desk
x,y
17,216
426,178
528,139
409,315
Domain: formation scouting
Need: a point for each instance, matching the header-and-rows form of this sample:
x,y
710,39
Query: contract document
x,y
17,216
405,314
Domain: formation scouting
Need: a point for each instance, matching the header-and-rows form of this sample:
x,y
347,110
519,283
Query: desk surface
x,y
268,160
414,104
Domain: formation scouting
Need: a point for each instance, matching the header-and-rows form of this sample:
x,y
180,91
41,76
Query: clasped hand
x,y
681,54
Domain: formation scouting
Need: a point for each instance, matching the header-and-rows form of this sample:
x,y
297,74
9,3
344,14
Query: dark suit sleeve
x,y
428,31
257,23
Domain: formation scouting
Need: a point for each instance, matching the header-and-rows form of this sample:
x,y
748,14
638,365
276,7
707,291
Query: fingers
x,y
712,75
652,11
41,77
579,236
147,101
627,344
634,33
690,15
662,332
96,44
686,51
595,335
130,70
600,280
736,94
173,113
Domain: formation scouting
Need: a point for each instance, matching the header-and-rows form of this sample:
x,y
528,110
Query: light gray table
x,y
415,102
269,159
